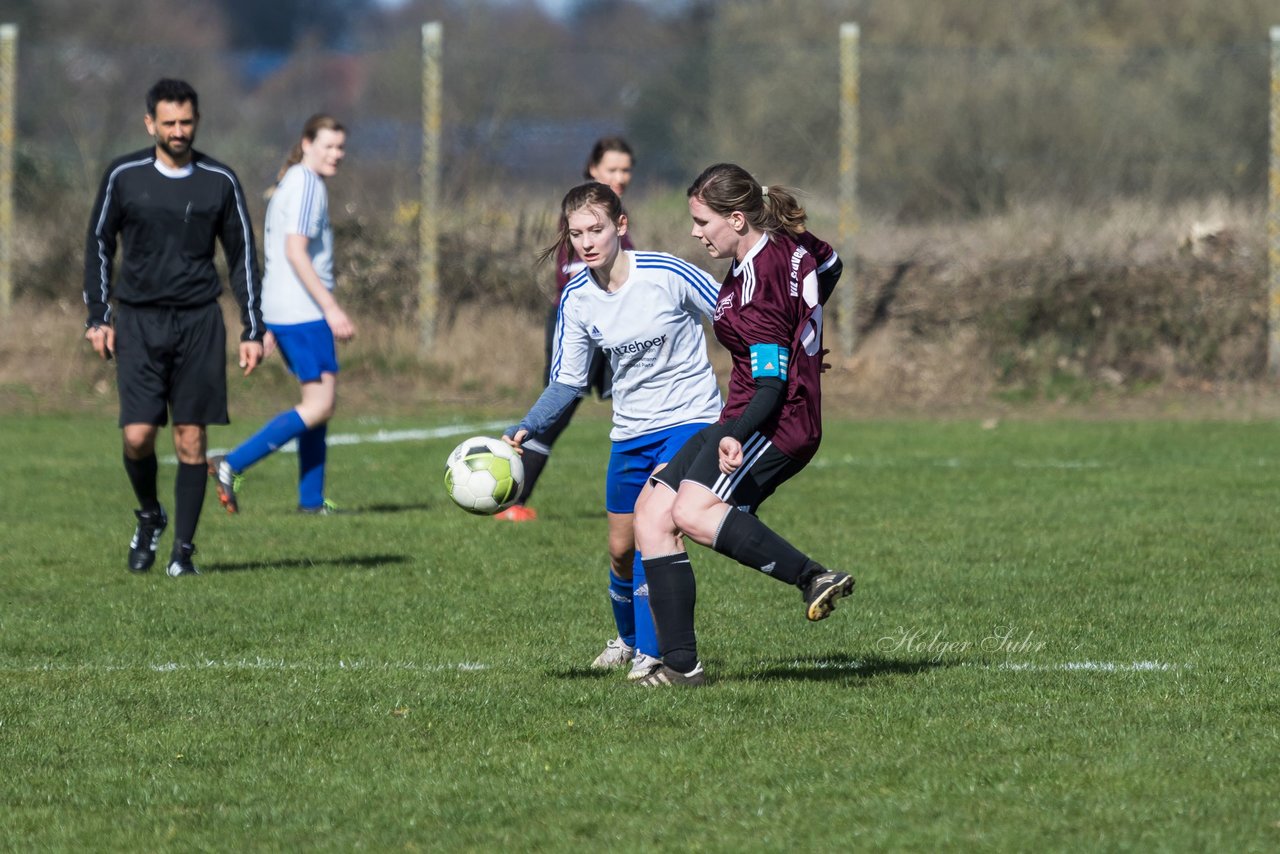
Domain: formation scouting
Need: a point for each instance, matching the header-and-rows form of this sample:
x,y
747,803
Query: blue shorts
x,y
307,348
633,460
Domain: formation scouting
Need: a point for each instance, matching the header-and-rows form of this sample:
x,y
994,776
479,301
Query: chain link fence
x,y
946,132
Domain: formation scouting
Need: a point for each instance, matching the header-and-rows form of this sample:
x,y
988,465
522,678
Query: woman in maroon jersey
x,y
769,317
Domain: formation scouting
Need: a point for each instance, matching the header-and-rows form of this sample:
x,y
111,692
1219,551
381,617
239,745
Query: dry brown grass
x,y
1124,310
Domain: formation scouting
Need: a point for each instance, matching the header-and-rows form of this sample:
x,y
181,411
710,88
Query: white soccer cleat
x,y
642,665
665,677
616,654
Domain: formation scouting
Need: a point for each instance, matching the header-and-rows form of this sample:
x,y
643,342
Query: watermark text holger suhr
x,y
1003,640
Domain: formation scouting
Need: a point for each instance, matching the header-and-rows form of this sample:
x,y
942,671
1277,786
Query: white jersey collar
x,y
755,250
180,172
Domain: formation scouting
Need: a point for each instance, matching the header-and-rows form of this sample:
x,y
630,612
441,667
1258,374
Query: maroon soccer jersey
x,y
771,298
823,254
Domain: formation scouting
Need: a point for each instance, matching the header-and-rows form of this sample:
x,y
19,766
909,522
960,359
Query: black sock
x,y
188,501
534,462
673,592
142,476
749,541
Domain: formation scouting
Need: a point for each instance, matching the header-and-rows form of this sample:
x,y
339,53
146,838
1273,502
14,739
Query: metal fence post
x,y
1273,215
429,172
8,134
849,38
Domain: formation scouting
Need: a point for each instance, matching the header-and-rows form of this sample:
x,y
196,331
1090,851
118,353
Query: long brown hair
x,y
315,124
590,194
727,187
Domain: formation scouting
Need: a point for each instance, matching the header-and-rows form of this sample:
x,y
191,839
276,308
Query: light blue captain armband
x,y
769,360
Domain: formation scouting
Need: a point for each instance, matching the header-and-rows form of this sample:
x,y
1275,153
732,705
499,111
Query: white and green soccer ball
x,y
483,475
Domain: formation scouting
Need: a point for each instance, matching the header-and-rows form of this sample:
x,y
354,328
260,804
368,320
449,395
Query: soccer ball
x,y
483,475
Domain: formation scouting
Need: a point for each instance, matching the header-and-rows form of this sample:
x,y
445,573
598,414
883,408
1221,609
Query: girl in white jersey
x,y
644,311
301,314
610,162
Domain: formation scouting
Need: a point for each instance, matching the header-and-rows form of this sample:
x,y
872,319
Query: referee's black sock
x,y
142,476
188,500
672,596
749,541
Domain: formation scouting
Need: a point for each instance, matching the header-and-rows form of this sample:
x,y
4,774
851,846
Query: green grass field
x,y
1063,638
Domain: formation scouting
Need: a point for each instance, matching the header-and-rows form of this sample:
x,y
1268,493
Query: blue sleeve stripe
x,y
699,280
557,346
769,360
695,277
308,202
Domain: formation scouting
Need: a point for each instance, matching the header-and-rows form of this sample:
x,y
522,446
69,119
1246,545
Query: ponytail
x,y
727,187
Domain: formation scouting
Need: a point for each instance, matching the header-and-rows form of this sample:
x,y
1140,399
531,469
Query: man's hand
x,y
103,339
730,455
250,355
268,344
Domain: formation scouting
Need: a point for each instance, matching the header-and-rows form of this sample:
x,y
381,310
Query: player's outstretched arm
x,y
550,405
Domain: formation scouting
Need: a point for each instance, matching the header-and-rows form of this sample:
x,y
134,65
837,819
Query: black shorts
x,y
763,470
599,372
171,361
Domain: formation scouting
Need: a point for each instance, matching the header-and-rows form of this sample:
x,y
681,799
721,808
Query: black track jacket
x,y
168,227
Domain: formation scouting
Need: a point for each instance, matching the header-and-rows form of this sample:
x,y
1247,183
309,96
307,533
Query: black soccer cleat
x,y
180,563
824,591
142,548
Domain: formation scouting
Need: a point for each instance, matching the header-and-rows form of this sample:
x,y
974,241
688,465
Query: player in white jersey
x,y
301,314
610,162
644,311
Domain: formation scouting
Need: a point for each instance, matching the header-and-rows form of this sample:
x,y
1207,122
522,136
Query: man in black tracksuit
x,y
168,205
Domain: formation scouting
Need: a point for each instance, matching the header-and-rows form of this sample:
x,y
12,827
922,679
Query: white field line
x,y
1068,666
281,665
1094,666
267,664
381,436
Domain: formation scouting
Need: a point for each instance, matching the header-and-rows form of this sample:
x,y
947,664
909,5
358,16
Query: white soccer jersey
x,y
299,205
651,331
